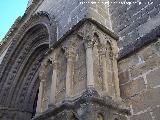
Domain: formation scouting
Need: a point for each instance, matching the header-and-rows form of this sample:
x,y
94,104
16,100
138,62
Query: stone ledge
x,y
79,24
88,97
3,109
139,43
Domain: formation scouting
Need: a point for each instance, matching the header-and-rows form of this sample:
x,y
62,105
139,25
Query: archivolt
x,y
19,68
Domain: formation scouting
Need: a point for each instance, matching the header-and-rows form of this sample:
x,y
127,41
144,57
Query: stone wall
x,y
131,22
68,13
139,76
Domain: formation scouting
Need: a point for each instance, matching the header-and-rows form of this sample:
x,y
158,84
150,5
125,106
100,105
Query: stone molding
x,y
92,37
10,71
139,43
88,97
34,20
18,23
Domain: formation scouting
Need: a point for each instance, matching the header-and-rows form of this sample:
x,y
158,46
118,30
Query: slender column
x,y
115,69
40,96
42,77
69,75
105,80
53,83
89,62
116,79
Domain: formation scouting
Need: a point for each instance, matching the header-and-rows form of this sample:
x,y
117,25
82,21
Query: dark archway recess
x,y
35,104
19,69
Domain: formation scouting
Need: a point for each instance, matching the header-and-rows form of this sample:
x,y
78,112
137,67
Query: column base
x,y
51,106
87,107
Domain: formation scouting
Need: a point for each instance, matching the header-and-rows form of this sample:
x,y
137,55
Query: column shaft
x,y
53,84
89,62
115,69
40,96
116,79
69,74
105,74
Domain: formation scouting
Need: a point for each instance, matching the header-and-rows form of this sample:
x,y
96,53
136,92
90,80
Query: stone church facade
x,y
82,60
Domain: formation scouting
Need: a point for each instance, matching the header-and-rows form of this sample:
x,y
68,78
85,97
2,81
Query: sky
x,y
9,11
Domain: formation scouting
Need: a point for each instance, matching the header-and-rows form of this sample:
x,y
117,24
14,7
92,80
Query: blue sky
x,y
10,10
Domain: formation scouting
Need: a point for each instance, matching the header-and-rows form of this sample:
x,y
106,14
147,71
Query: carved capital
x,y
70,54
115,49
115,52
102,50
89,44
54,62
42,75
44,63
43,69
72,42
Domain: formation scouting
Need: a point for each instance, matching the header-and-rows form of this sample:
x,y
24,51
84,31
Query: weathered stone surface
x,y
145,100
25,54
145,67
140,17
124,77
143,96
69,12
133,87
148,53
46,22
156,112
152,97
84,67
153,78
85,108
143,116
80,71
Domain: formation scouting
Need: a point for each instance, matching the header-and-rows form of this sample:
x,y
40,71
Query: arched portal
x,y
19,81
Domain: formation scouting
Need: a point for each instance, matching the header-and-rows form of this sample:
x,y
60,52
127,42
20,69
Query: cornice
x,y
78,25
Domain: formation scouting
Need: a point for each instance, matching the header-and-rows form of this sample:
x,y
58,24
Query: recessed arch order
x,y
19,69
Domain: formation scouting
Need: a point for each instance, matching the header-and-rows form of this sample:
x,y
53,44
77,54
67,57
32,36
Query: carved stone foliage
x,y
80,72
98,64
18,71
103,52
61,75
29,79
17,42
88,52
19,62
